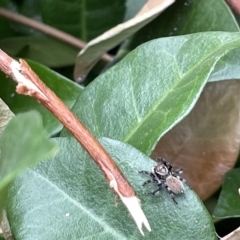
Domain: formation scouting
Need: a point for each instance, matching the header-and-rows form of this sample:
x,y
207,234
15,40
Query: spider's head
x,y
161,169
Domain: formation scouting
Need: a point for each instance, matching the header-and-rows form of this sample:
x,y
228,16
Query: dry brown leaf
x,y
206,143
235,4
97,47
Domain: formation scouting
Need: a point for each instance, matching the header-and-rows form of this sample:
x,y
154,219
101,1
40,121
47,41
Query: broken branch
x,y
30,84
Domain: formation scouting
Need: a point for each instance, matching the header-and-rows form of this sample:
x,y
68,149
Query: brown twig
x,y
53,32
48,99
30,84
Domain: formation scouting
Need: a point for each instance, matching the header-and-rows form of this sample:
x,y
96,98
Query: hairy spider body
x,y
163,176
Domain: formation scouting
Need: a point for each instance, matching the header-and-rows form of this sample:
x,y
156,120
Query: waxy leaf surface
x,y
152,88
23,143
229,201
206,143
83,19
69,196
47,51
191,16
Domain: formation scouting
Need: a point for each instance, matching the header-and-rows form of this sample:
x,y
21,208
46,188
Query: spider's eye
x,y
161,170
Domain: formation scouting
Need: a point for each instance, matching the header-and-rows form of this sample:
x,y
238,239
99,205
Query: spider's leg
x,y
152,175
160,159
171,194
169,166
182,179
157,190
178,171
148,181
149,173
146,172
154,179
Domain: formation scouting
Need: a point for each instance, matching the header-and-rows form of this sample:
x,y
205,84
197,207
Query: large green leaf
x,y
188,16
83,19
227,68
63,87
193,16
5,29
152,88
68,198
229,201
30,9
47,51
23,143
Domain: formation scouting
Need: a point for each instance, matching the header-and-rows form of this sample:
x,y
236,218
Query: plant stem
x,y
30,84
53,32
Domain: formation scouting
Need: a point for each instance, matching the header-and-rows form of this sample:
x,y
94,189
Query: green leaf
x,y
69,194
65,89
30,9
188,16
5,25
5,29
227,68
229,201
83,19
23,143
191,16
152,88
47,51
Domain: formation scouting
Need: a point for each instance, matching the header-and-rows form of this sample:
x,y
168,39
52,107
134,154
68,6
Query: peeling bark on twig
x,y
30,84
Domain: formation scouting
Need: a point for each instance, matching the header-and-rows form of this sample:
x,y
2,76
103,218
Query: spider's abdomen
x,y
175,185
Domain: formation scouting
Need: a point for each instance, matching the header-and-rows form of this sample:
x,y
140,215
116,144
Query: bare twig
x,y
53,32
30,84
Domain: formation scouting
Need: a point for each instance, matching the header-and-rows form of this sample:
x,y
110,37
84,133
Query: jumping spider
x,y
164,176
